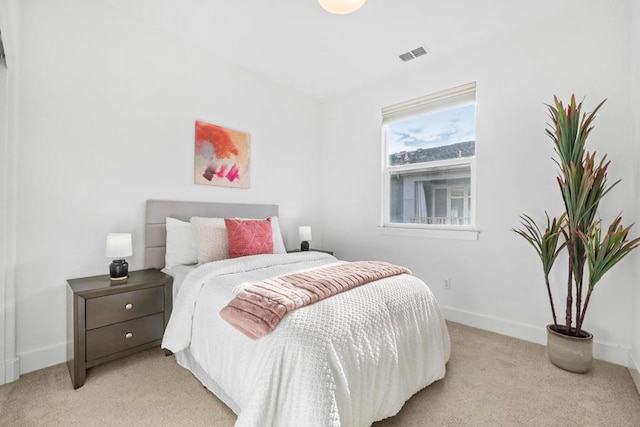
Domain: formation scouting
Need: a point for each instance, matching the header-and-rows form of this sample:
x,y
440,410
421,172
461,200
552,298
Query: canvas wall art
x,y
221,156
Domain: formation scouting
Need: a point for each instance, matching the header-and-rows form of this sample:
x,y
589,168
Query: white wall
x,y
497,283
106,121
4,89
635,109
9,22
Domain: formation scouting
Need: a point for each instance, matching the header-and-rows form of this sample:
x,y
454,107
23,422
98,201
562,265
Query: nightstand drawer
x,y
121,336
116,308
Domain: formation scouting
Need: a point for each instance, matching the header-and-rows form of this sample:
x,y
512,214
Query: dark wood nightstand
x,y
311,250
108,319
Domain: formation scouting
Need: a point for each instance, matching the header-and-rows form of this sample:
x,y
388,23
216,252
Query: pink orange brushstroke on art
x,y
222,149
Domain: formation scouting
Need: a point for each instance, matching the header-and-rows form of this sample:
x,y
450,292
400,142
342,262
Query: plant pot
x,y
573,354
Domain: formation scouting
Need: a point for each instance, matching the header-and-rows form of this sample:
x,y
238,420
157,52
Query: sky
x,y
433,130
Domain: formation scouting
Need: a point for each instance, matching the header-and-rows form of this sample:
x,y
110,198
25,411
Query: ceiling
x,y
299,45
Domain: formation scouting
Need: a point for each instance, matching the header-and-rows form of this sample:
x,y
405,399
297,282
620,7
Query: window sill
x,y
458,233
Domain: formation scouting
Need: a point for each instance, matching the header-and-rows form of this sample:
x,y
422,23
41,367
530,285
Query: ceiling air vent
x,y
413,54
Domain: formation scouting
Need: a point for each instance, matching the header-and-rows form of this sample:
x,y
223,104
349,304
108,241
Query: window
x,y
429,151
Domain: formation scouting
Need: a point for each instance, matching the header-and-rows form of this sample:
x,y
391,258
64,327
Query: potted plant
x,y
577,232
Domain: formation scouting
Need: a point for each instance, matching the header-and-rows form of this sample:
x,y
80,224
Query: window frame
x,y
444,100
466,212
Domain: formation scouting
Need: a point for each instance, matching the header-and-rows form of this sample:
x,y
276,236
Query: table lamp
x,y
118,247
305,236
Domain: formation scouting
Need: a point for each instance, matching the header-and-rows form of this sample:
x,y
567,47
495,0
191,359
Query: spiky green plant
x,y
546,245
583,184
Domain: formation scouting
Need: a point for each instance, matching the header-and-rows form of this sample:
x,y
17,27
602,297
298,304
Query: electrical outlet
x,y
447,283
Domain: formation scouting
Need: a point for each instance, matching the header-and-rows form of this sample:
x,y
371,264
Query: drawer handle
x,y
129,306
128,335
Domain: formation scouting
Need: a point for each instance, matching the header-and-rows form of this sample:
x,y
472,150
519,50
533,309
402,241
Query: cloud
x,y
448,131
438,129
421,137
407,138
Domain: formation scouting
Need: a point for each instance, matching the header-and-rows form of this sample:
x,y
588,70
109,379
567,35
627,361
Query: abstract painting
x,y
221,156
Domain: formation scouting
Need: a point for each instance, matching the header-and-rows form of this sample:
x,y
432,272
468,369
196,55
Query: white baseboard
x,y
42,358
52,355
11,370
536,334
634,368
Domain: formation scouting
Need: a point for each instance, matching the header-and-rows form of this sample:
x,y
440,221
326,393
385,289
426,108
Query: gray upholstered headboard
x,y
159,210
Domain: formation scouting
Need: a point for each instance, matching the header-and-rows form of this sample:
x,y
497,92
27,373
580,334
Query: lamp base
x,y
119,269
304,246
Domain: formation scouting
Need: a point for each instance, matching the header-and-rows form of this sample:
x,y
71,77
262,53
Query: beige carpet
x,y
491,380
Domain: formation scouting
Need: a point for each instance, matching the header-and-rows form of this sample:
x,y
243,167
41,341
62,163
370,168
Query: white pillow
x,y
211,239
212,242
181,244
278,244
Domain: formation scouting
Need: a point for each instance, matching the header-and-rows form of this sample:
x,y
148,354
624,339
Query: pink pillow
x,y
249,237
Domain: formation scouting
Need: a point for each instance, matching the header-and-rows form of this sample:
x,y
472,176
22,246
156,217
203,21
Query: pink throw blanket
x,y
256,310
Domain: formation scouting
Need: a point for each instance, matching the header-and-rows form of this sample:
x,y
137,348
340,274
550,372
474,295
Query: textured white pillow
x,y
181,244
278,244
211,239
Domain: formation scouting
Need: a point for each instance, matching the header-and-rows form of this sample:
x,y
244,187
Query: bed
x,y
348,360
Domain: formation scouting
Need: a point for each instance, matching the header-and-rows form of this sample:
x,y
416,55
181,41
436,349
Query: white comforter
x,y
348,360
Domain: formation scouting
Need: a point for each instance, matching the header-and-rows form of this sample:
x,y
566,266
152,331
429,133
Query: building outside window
x,y
429,150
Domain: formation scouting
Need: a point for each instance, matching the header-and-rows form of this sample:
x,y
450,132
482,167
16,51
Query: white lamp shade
x,y
341,7
119,245
305,233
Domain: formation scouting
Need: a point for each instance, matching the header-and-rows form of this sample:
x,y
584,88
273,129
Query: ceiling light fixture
x,y
341,7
